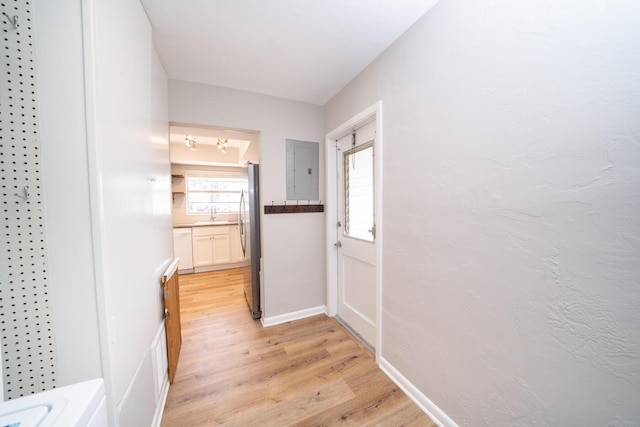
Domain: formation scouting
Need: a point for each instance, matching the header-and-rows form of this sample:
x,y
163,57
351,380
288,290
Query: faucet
x,y
212,218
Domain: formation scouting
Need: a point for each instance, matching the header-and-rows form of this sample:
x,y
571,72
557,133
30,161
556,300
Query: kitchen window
x,y
221,193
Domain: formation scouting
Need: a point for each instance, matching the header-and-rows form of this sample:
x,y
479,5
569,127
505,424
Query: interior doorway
x,y
213,185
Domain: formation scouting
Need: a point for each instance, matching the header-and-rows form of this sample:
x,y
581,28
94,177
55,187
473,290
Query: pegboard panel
x,y
28,357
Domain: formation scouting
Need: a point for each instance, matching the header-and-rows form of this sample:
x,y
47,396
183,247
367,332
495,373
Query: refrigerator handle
x,y
240,211
243,237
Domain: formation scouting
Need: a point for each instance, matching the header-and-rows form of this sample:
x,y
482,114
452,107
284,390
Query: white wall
x,y
66,190
292,244
512,209
107,190
133,201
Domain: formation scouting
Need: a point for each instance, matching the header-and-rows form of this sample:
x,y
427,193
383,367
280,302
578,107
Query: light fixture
x,y
190,142
222,144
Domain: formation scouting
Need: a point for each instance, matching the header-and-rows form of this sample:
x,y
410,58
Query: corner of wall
x,y
436,414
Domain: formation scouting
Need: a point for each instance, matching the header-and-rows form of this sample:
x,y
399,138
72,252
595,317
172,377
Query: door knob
x,y
166,313
338,244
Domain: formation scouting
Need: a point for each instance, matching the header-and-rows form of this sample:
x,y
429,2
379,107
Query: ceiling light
x,y
222,144
190,142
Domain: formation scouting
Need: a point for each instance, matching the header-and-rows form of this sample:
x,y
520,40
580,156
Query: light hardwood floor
x,y
310,372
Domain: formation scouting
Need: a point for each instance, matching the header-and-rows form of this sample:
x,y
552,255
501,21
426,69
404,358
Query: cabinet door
x,y
236,246
221,249
202,251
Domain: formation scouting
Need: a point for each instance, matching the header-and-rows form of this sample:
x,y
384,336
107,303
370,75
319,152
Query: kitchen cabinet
x,y
221,249
211,246
202,251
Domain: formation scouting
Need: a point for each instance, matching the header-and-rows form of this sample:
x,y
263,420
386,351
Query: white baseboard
x,y
296,315
157,418
436,414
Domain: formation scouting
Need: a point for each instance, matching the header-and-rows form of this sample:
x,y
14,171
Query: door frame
x,y
374,112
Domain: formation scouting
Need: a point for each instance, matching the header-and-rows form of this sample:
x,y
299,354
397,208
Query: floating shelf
x,y
278,209
177,186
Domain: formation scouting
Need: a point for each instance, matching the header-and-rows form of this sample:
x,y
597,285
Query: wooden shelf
x,y
178,187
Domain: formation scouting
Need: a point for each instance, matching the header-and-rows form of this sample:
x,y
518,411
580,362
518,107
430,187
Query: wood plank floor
x,y
310,372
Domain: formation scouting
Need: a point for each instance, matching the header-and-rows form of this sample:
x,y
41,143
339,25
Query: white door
x,y
356,232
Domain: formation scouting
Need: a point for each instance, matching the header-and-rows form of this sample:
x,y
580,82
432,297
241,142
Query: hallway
x,y
309,372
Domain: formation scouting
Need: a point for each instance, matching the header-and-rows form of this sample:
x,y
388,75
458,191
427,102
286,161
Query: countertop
x,y
205,224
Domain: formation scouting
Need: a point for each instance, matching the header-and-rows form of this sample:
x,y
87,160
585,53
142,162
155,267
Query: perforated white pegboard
x,y
28,358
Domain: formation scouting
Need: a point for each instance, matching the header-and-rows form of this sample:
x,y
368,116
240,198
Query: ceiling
x,y
304,50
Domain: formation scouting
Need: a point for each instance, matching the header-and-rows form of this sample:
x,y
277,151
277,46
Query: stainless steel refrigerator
x,y
249,228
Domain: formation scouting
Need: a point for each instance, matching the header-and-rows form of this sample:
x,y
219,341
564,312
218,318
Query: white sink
x,y
29,417
77,405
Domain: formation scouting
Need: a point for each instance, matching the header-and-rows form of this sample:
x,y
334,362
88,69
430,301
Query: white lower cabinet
x,y
221,249
202,251
211,246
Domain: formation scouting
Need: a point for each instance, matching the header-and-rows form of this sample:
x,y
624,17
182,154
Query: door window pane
x,y
358,192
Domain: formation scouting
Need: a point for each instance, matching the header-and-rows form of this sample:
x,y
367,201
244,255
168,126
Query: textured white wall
x,y
512,209
292,244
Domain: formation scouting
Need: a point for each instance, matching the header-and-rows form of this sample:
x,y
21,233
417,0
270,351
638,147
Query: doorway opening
x,y
215,203
209,185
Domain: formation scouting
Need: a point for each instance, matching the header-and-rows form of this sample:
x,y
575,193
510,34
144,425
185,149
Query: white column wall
x,y
108,198
512,209
128,97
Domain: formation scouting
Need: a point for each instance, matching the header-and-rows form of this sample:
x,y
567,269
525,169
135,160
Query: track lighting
x,y
190,142
222,144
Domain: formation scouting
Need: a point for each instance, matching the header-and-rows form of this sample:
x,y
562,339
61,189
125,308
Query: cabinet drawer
x,y
210,231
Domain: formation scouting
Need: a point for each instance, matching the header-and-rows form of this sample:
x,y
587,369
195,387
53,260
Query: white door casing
x,y
333,163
